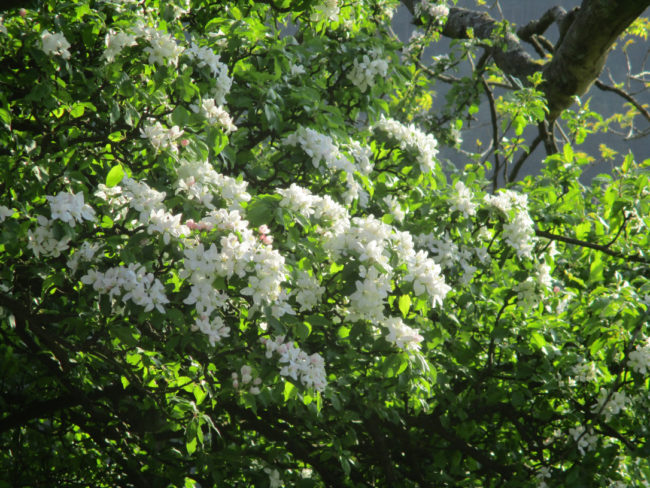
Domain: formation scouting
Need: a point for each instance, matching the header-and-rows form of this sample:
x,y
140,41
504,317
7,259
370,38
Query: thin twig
x,y
622,93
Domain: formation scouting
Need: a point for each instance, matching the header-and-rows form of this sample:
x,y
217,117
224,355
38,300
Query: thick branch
x,y
580,58
537,27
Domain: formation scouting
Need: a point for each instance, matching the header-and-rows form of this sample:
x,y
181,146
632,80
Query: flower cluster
x,y
133,282
461,200
363,74
44,240
215,115
639,359
115,43
610,403
328,10
412,139
519,231
201,182
66,207
206,57
301,201
307,290
394,208
163,48
321,148
585,438
426,276
160,137
167,224
246,378
6,212
84,254
432,9
139,196
297,364
449,254
55,44
70,207
400,334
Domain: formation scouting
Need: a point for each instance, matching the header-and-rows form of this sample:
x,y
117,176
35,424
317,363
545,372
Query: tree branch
x,y
589,34
538,27
598,247
622,93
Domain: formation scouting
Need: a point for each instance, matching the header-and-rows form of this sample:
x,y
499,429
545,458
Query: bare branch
x,y
598,247
622,93
522,159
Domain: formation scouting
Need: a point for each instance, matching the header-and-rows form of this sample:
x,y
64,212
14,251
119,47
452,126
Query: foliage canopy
x,y
231,256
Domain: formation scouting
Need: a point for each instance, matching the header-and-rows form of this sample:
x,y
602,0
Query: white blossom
x,y
115,42
308,290
55,44
610,404
461,200
432,9
215,115
327,10
70,207
519,233
133,282
163,48
160,137
297,364
141,197
84,254
363,73
585,438
402,335
6,212
214,328
205,57
394,208
410,138
639,359
43,240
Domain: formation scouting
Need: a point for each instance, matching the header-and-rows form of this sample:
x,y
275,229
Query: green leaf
x,y
5,117
289,390
567,150
537,339
191,444
302,330
519,124
180,116
596,269
114,176
404,304
260,211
